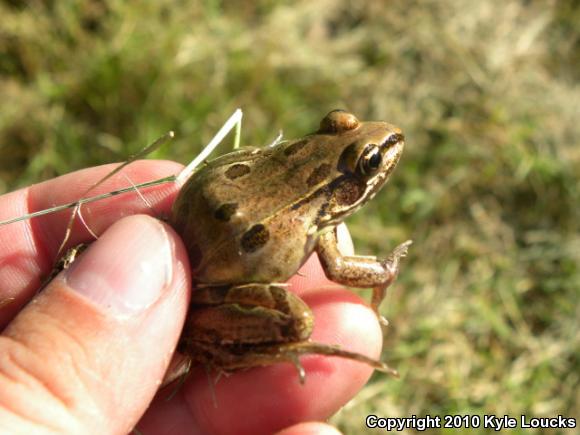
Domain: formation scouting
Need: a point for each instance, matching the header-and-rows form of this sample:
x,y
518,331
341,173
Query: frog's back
x,y
237,218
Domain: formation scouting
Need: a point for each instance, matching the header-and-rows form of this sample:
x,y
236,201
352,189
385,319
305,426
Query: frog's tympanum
x,y
251,218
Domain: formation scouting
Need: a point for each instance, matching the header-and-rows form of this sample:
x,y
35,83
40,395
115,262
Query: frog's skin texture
x,y
251,218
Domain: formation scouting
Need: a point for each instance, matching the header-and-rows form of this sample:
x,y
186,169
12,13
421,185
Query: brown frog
x,y
252,217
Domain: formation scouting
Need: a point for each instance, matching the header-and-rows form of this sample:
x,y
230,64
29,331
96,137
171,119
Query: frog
x,y
251,218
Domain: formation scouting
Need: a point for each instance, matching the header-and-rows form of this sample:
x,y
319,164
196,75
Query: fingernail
x,y
127,268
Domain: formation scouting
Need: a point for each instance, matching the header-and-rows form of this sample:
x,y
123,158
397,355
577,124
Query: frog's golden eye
x,y
370,160
338,121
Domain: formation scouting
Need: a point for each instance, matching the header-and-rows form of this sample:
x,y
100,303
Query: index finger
x,y
28,248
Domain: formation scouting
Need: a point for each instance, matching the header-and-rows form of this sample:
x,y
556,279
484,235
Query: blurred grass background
x,y
484,317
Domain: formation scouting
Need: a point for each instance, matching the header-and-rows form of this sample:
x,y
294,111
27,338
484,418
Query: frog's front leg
x,y
359,271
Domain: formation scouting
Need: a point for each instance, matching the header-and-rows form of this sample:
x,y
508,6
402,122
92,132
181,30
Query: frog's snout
x,y
394,139
399,137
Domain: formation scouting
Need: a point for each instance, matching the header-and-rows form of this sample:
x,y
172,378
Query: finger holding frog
x,y
29,247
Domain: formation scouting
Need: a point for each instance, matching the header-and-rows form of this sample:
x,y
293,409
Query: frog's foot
x,y
230,358
382,319
292,351
400,251
391,265
393,261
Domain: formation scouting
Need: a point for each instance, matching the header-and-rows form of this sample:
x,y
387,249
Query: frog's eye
x,y
338,121
370,160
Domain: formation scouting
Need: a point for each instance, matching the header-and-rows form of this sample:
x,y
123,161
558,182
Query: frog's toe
x,y
299,368
402,249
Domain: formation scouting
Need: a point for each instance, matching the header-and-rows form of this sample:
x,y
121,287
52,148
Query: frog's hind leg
x,y
231,358
228,358
292,351
250,325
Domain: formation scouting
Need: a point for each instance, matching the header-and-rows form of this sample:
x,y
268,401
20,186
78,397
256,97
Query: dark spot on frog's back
x,y
225,211
295,147
255,238
347,192
237,170
318,175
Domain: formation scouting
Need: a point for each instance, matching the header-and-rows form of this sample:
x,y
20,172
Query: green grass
x,y
485,313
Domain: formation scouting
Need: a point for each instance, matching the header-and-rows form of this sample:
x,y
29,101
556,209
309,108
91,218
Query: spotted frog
x,y
252,217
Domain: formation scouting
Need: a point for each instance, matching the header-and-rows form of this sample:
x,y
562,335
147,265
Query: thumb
x,y
88,354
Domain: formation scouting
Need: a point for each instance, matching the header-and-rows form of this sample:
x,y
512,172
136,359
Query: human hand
x,y
88,354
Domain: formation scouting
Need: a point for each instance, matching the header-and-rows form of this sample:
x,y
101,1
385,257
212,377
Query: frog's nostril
x,y
394,138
